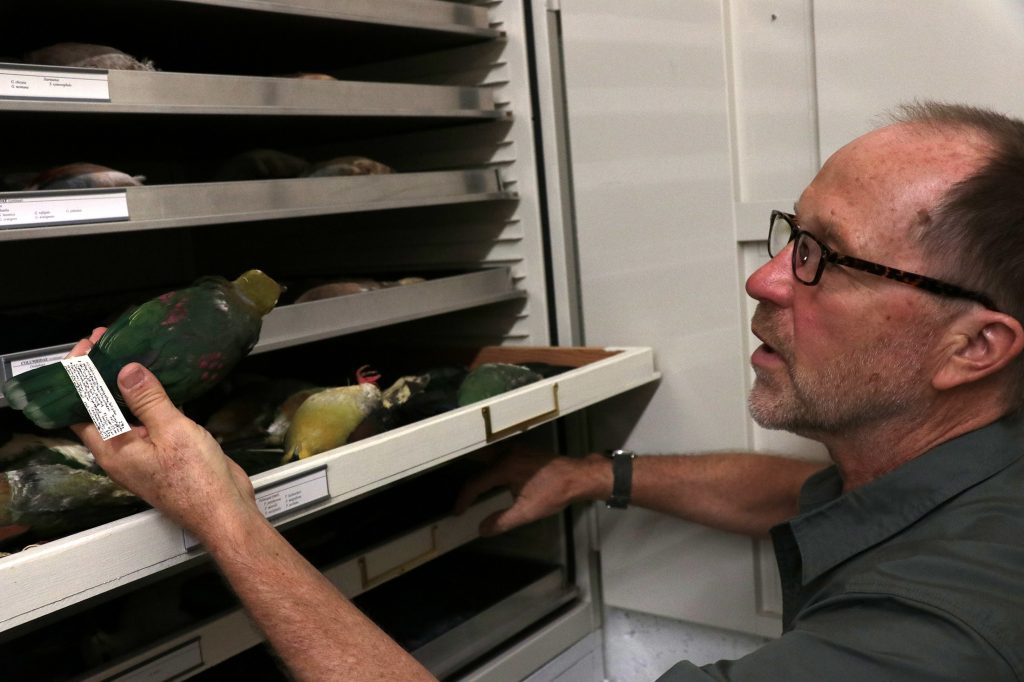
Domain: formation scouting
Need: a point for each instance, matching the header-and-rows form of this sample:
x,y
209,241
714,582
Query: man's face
x,y
856,349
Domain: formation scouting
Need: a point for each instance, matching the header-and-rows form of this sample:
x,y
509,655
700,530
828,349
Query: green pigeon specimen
x,y
326,419
494,378
190,339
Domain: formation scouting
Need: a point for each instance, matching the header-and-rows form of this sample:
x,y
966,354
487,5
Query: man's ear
x,y
983,343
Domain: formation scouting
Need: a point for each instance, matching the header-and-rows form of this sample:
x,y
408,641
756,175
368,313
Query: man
x,y
905,560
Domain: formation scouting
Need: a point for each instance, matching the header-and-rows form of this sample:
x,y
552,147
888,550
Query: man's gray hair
x,y
976,233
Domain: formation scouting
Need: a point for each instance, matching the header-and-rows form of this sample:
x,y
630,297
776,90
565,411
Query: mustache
x,y
765,325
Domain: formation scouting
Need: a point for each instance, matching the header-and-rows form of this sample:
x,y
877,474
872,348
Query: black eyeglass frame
x,y
930,284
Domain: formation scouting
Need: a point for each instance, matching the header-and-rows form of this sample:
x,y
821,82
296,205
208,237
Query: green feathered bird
x,y
190,339
494,378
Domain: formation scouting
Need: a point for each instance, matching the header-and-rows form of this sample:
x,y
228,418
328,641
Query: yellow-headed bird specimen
x,y
327,418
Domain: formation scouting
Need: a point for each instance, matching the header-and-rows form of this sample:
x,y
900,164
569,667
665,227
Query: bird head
x,y
259,290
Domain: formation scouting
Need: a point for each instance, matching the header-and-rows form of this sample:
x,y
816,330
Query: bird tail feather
x,y
46,396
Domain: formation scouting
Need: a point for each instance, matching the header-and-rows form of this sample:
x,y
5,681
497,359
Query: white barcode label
x,y
98,400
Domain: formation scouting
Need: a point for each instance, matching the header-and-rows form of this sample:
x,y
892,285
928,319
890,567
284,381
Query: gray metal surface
x,y
161,92
430,14
445,654
292,325
165,206
305,322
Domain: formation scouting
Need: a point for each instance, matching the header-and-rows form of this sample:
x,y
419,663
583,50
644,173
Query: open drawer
x,y
45,579
230,633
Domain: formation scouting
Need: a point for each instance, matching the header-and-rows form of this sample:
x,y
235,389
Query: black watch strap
x,y
622,478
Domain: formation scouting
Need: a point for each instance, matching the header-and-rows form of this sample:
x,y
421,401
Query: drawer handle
x,y
369,581
493,435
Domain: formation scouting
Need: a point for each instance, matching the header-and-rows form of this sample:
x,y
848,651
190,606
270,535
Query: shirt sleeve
x,y
875,638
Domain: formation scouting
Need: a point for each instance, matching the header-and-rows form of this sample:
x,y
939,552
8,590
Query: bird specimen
x,y
55,499
190,339
254,404
352,286
493,378
326,419
261,164
87,56
348,165
83,176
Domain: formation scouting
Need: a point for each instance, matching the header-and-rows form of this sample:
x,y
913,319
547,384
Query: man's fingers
x,y
503,520
89,435
85,345
80,348
145,397
475,487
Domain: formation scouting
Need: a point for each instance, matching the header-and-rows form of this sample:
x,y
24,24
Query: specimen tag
x,y
22,365
98,400
28,209
293,493
40,82
279,498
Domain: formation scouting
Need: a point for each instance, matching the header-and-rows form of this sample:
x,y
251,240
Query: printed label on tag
x,y
22,365
283,497
98,400
23,210
22,82
292,494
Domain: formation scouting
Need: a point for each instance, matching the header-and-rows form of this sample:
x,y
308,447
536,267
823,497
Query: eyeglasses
x,y
810,256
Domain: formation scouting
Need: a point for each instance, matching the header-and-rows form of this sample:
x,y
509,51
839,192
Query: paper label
x,y
98,399
292,494
280,498
32,209
40,82
22,365
166,666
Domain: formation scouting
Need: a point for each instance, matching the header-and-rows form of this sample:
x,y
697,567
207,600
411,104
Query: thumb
x,y
145,397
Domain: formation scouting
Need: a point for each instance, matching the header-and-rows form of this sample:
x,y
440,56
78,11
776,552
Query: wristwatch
x,y
622,477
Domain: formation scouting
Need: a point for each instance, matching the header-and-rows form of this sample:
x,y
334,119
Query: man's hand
x,y
541,483
170,461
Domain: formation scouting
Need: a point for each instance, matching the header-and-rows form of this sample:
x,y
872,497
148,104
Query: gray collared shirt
x,y
918,575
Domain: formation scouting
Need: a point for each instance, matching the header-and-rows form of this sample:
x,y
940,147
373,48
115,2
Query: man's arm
x,y
177,467
737,492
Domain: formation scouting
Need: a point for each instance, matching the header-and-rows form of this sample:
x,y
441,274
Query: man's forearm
x,y
737,492
317,632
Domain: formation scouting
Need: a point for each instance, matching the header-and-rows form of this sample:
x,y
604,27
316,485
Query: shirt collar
x,y
833,526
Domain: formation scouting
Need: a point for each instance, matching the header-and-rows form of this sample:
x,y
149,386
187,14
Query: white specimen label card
x,y
25,210
22,365
283,497
293,493
24,82
98,399
166,666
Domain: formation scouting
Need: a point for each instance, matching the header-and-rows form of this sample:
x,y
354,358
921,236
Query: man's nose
x,y
773,282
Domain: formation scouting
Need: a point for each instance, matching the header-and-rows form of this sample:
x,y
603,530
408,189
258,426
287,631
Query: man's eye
x,y
803,252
